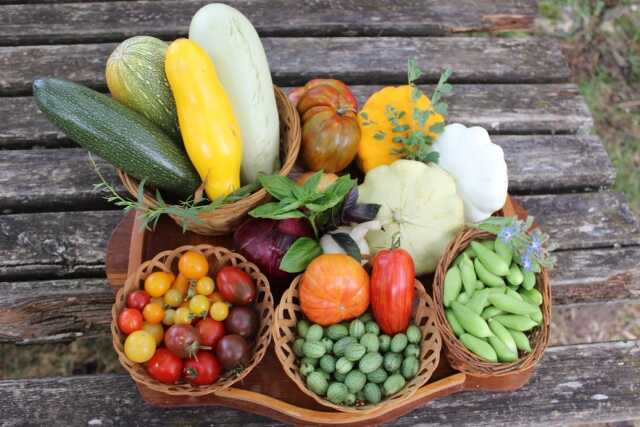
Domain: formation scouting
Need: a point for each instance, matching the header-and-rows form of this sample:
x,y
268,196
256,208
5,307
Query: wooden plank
x,y
515,109
54,310
573,384
353,59
63,179
114,21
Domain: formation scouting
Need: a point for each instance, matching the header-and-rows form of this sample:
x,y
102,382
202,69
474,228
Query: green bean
x,y
491,260
479,284
529,280
522,342
511,305
536,316
485,276
479,347
453,322
532,295
470,321
490,312
468,274
452,285
463,298
504,251
517,322
480,299
503,334
504,353
489,244
515,276
470,252
513,294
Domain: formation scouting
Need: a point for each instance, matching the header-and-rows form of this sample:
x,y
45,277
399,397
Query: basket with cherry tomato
x,y
192,321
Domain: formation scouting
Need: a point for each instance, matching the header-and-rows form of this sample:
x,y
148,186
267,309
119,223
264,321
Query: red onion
x,y
265,241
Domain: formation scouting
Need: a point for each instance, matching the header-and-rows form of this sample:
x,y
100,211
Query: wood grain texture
x,y
598,384
63,179
114,21
55,310
515,109
355,60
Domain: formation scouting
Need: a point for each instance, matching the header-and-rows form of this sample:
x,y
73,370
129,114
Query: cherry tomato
x,y
165,366
183,316
236,286
157,300
139,346
153,313
205,286
138,299
215,297
199,305
182,340
210,331
169,317
193,265
155,329
203,369
173,298
158,283
181,284
129,320
219,311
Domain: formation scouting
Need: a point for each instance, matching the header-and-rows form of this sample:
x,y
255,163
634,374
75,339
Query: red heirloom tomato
x,y
210,331
129,320
182,340
165,366
330,129
392,288
233,351
138,299
242,321
202,369
236,286
297,93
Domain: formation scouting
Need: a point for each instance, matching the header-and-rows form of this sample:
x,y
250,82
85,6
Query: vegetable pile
x,y
189,327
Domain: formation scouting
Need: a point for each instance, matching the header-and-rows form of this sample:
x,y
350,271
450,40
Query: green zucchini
x,y
117,134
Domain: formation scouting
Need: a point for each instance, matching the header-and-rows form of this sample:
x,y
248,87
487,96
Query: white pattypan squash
x,y
478,167
419,204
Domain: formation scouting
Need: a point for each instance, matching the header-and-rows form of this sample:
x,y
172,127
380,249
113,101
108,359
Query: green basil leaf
x,y
312,183
336,192
300,254
287,215
278,186
263,211
346,242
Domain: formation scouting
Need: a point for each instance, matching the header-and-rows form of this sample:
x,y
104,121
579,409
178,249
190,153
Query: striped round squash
x,y
135,77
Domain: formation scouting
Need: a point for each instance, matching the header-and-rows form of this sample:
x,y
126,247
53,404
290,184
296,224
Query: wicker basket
x,y
458,356
288,312
224,219
167,261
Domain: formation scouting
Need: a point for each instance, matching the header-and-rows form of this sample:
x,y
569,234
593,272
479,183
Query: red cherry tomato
x,y
130,320
165,366
138,299
210,331
236,286
203,369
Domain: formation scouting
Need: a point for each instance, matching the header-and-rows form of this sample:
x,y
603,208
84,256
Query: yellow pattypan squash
x,y
376,143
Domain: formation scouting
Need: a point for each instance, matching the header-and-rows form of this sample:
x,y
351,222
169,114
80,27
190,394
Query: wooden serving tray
x,y
267,390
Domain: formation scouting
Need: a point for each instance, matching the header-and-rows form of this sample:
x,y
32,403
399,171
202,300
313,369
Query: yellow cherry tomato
x,y
181,284
183,316
169,317
199,305
140,346
215,297
219,311
157,300
205,286
158,283
193,265
153,313
155,329
173,298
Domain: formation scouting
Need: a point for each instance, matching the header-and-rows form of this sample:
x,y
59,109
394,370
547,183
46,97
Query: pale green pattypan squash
x,y
420,206
478,167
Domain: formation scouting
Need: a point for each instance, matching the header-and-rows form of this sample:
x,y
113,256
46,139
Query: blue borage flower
x,y
531,250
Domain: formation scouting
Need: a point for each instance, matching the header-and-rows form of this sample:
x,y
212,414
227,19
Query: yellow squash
x,y
376,142
209,129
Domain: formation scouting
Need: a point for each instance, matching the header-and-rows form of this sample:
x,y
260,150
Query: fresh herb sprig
x,y
531,250
188,211
305,201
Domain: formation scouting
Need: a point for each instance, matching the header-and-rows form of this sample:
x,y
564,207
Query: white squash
x,y
420,205
236,50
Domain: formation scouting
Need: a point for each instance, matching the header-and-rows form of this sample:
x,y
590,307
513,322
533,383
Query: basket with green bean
x,y
491,291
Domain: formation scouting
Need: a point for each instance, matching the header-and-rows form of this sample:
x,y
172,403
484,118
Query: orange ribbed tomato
x,y
334,288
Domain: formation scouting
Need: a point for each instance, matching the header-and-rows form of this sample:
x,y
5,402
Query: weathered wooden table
x,y
54,226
